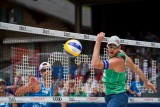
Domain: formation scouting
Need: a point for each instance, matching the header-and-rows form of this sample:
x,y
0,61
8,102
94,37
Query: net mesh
x,y
71,76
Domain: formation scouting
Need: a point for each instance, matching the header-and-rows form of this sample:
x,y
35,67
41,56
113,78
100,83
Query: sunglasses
x,y
2,84
113,46
44,70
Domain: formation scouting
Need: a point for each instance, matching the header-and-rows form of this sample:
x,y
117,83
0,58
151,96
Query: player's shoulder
x,y
116,60
122,51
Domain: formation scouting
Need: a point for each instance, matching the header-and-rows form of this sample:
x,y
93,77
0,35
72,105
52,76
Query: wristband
x,y
106,64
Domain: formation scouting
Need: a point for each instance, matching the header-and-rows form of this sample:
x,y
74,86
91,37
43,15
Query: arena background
x,y
127,19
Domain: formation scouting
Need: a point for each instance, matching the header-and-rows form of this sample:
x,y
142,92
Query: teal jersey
x,y
43,92
114,82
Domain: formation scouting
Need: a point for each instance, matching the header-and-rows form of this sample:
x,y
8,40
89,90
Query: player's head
x,y
113,46
2,85
45,68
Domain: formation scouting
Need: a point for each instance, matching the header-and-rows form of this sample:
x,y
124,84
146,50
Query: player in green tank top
x,y
114,81
114,71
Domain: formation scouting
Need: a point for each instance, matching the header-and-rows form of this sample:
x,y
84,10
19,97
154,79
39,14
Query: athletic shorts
x,y
117,100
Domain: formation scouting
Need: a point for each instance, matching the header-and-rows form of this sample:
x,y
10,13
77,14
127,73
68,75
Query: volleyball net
x,y
24,48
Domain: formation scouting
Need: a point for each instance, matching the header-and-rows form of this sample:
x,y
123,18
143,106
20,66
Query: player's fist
x,y
100,37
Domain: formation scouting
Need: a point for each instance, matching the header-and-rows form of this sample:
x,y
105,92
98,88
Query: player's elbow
x,y
95,65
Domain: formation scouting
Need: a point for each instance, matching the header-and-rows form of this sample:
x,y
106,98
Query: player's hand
x,y
100,37
150,85
33,80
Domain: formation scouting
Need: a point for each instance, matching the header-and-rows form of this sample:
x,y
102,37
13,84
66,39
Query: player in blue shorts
x,y
114,71
38,87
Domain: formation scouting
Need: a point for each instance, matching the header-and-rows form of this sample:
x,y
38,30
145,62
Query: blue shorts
x,y
117,100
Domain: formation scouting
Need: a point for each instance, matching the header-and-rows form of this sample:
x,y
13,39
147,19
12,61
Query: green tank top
x,y
114,82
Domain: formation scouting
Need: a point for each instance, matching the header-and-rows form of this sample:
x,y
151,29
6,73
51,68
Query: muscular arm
x,y
139,72
133,67
96,63
24,89
30,87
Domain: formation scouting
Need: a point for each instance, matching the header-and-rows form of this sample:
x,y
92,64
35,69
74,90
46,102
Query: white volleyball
x,y
73,47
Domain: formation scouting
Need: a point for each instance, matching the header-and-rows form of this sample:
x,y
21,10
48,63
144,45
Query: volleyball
x,y
73,47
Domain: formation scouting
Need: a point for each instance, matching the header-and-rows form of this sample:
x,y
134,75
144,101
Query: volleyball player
x,y
3,94
114,71
37,87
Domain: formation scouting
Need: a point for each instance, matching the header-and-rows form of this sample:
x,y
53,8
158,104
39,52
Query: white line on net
x,y
56,33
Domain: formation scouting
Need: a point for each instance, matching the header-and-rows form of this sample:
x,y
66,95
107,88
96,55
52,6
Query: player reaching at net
x,y
114,71
38,87
3,94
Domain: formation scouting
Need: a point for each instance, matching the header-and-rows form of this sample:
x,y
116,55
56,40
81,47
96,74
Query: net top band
x,y
63,34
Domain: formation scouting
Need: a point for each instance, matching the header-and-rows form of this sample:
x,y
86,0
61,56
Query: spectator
x,y
3,93
150,68
80,93
83,67
88,73
94,83
94,92
88,88
136,88
98,74
141,64
56,93
140,51
127,87
158,64
71,89
67,82
54,82
66,94
150,37
141,36
79,75
61,88
101,88
129,36
17,83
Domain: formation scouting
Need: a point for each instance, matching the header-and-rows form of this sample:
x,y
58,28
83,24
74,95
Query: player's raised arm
x,y
107,64
28,87
96,63
139,72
